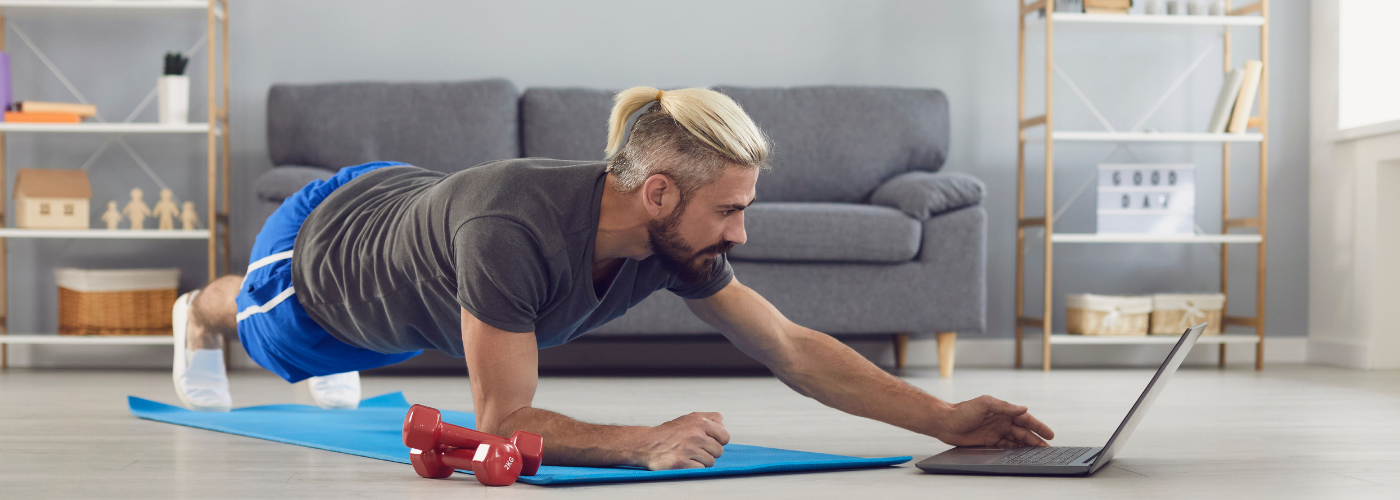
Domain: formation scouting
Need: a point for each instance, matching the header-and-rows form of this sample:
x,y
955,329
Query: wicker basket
x,y
1107,314
115,302
1173,313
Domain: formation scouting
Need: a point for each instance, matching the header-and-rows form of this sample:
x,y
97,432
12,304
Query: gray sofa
x,y
855,230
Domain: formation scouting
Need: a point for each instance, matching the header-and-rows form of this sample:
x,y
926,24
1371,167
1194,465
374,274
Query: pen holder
x,y
174,99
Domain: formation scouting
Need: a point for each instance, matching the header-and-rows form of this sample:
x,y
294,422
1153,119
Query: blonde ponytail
x,y
689,134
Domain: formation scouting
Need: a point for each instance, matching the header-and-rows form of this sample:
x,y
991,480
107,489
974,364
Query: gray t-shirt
x,y
388,261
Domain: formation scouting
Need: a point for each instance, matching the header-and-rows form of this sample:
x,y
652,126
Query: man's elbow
x,y
500,423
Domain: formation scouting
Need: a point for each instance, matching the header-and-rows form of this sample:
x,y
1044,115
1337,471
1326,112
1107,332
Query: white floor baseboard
x,y
1335,353
923,353
1002,353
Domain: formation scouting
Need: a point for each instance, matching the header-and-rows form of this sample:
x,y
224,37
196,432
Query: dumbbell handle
x,y
456,436
457,458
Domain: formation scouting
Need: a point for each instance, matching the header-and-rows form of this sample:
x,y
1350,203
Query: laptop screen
x,y
1154,388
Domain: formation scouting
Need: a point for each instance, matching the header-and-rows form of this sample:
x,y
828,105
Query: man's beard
x,y
676,256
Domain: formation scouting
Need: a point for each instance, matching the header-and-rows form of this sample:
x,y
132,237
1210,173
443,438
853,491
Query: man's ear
x,y
660,195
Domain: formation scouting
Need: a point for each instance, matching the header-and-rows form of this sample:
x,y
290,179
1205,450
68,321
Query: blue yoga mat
x,y
374,431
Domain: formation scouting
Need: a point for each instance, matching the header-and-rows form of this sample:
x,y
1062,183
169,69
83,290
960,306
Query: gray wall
x,y
966,48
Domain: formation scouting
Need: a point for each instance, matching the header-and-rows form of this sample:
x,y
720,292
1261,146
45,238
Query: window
x,y
43,209
1368,75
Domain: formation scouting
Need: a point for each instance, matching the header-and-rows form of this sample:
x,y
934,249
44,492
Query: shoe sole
x,y
324,405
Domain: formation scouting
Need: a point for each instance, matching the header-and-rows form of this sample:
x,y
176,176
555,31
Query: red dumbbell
x,y
495,463
423,429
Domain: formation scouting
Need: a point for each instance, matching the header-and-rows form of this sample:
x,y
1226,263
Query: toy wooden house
x,y
52,199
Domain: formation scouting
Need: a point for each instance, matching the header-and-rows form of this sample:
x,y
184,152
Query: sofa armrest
x,y
923,195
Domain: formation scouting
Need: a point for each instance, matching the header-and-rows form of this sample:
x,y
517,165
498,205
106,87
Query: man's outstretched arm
x,y
818,366
504,370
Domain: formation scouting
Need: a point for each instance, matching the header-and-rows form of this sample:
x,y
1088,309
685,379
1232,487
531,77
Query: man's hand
x,y
991,422
690,442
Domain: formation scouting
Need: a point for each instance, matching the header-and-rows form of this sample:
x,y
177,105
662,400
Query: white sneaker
x,y
201,381
336,392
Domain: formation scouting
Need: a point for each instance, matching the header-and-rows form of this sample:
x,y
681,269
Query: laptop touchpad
x,y
969,456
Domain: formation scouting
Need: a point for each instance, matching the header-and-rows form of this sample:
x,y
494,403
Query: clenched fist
x,y
689,442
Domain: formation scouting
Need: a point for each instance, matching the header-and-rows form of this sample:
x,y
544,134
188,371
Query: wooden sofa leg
x,y
945,353
901,346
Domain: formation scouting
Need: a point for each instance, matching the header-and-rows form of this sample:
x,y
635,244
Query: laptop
x,y
1059,460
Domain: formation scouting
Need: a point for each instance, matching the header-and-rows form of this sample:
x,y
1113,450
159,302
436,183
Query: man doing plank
x,y
497,261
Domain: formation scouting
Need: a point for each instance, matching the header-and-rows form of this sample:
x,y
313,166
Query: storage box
x,y
115,301
1107,314
1151,198
1173,313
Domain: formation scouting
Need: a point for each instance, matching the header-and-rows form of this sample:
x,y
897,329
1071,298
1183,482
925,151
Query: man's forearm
x,y
839,377
573,443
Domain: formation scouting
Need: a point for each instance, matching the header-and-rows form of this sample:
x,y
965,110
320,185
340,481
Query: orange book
x,y
22,117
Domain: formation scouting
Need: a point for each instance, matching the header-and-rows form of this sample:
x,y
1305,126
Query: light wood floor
x,y
1287,432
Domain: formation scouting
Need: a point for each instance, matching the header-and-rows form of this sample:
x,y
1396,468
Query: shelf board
x,y
1165,20
108,4
1153,137
106,128
1064,338
107,234
88,339
1154,238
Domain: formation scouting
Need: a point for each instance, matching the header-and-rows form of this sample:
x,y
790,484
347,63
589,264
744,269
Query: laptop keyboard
x,y
1047,455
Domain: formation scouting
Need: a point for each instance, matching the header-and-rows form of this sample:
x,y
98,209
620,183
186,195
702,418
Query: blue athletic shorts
x,y
277,332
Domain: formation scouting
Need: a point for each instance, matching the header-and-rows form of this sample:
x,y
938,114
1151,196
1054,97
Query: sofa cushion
x,y
827,232
565,124
837,144
283,181
444,126
922,195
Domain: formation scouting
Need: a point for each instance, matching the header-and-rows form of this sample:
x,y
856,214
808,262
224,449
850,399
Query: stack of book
x,y
1107,6
1236,100
49,112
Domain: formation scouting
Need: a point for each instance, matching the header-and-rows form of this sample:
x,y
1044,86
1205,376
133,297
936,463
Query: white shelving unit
x,y
1154,137
107,128
1228,338
1048,21
1154,238
106,234
50,339
110,4
216,233
1071,18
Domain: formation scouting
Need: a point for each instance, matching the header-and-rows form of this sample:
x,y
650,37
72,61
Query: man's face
x,y
711,220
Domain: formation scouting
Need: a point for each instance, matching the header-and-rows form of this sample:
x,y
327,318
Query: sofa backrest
x,y
837,144
565,123
443,126
831,144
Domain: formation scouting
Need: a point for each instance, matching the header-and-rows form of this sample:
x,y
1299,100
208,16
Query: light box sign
x,y
1147,198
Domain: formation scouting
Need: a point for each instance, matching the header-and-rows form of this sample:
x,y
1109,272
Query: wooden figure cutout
x,y
136,210
112,217
188,218
166,210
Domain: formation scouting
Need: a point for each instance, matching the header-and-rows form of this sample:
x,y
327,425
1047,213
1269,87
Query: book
x,y
83,110
1244,104
24,117
1107,6
1229,91
1068,6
